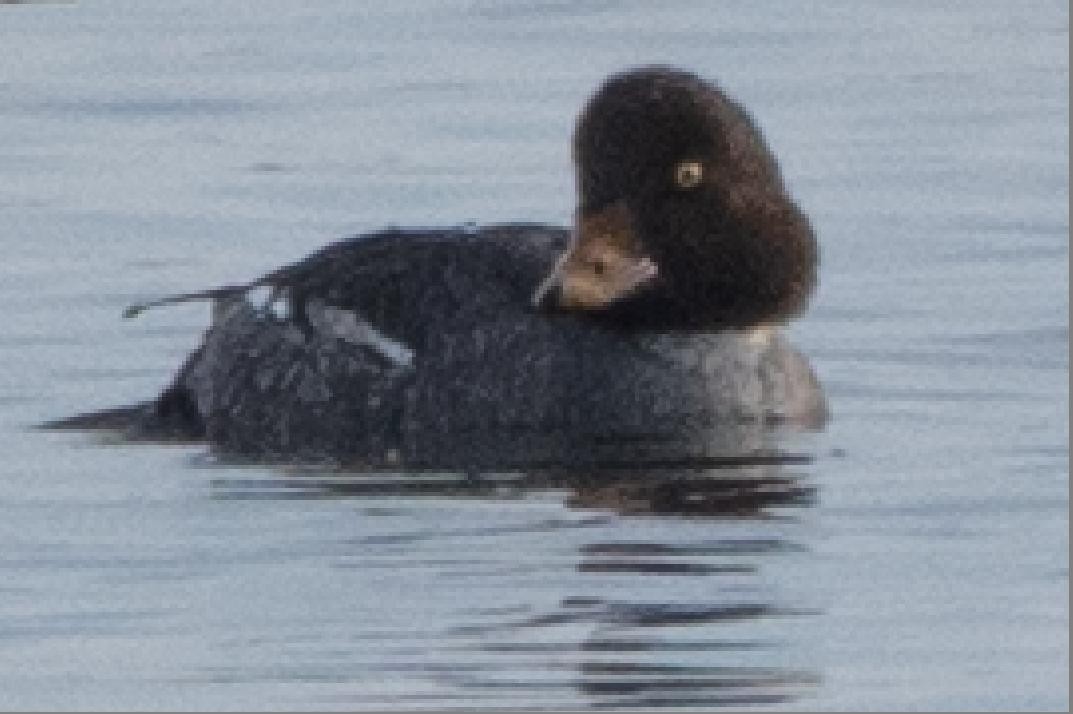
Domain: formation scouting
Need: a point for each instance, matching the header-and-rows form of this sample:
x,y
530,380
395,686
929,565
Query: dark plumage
x,y
731,246
651,336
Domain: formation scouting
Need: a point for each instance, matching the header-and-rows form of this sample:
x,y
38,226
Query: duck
x,y
648,331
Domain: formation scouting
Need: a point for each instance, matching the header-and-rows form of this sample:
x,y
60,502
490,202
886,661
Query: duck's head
x,y
682,218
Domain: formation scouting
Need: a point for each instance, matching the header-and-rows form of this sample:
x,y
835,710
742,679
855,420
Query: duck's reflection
x,y
681,629
696,649
662,613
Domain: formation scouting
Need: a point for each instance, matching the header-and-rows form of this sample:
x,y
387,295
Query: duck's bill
x,y
603,264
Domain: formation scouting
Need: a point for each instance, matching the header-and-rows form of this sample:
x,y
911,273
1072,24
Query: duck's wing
x,y
333,375
389,276
314,358
407,282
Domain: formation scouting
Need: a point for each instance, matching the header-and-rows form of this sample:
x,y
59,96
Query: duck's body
x,y
425,348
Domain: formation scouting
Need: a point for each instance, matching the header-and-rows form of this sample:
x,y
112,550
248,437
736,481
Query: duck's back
x,y
422,348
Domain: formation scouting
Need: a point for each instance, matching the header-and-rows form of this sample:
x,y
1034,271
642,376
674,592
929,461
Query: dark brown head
x,y
683,221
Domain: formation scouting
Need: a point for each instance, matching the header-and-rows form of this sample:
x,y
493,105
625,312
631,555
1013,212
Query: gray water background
x,y
148,148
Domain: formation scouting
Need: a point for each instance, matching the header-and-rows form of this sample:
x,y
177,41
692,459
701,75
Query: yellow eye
x,y
689,174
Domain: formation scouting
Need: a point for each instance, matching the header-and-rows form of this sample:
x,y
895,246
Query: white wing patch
x,y
259,297
269,301
349,326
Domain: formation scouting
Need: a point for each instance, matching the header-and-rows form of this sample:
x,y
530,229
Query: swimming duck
x,y
648,330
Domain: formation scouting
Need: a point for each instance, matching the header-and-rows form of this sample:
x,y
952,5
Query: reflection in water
x,y
636,621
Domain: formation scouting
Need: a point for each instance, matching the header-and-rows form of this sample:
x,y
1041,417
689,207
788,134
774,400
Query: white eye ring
x,y
688,174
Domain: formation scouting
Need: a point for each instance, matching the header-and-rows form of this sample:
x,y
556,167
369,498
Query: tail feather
x,y
171,416
224,291
113,419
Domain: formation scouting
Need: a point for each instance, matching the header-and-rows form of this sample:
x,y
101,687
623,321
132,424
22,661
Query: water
x,y
919,562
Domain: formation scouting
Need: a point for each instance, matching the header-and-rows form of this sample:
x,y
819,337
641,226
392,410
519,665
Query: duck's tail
x,y
173,416
113,419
